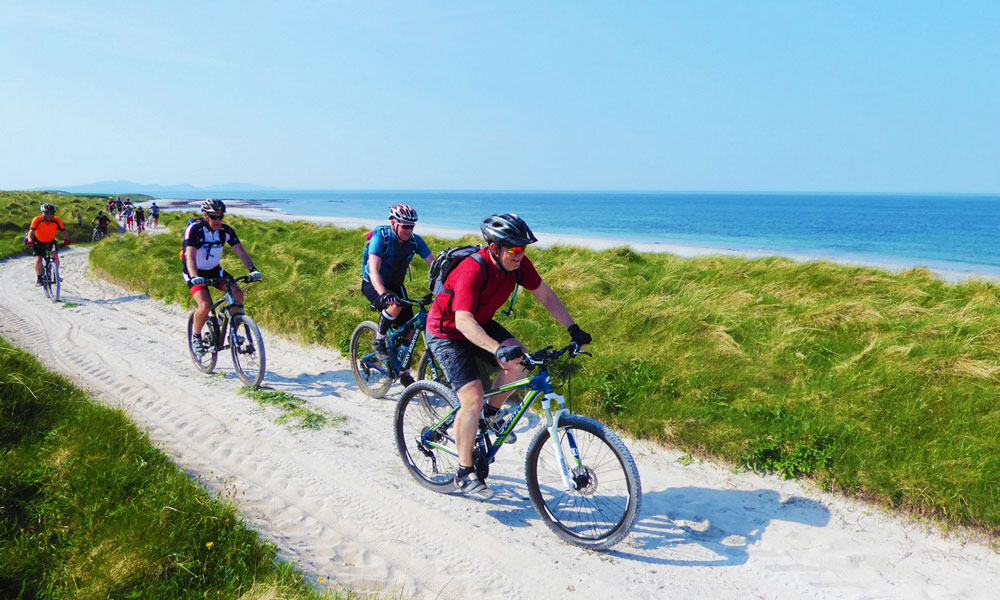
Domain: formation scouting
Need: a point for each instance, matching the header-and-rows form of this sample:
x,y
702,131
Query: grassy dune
x,y
88,509
17,209
876,384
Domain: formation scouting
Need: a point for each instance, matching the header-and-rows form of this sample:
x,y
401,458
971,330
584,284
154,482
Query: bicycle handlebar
x,y
214,281
546,355
422,302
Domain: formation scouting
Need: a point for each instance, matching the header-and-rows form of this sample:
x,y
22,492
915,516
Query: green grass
x,y
89,509
293,409
878,385
17,209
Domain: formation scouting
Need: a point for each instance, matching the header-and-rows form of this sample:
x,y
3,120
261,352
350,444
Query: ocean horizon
x,y
944,232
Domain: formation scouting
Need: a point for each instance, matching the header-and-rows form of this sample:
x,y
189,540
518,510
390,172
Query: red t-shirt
x,y
461,292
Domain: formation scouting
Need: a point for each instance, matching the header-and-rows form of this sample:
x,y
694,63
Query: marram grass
x,y
89,509
875,384
17,209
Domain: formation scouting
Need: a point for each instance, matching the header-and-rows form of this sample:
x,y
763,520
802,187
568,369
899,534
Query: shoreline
x,y
252,210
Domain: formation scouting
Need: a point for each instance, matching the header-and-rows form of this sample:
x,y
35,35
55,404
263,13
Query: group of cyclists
x,y
133,215
462,331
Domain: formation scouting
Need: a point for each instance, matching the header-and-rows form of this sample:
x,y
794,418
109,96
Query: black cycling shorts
x,y
38,248
461,359
406,312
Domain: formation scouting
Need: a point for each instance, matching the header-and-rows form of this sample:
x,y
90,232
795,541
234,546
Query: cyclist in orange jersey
x,y
42,235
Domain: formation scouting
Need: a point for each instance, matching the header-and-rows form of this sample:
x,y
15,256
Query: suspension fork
x,y
552,424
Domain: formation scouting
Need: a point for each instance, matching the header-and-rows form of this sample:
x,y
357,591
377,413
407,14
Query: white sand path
x,y
339,503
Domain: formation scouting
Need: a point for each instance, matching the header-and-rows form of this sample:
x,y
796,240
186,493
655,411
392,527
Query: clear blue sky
x,y
784,96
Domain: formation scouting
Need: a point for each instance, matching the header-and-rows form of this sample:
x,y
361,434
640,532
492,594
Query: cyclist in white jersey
x,y
203,243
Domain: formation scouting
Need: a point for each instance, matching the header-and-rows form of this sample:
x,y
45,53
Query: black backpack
x,y
445,262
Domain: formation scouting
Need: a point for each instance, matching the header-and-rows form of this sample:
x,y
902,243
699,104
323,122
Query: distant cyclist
x,y
42,235
128,212
154,210
140,218
390,250
462,330
101,221
203,243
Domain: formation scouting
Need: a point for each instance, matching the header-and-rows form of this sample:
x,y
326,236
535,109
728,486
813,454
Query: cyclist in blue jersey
x,y
388,255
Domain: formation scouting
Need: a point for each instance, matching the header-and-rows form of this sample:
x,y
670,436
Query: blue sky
x,y
762,96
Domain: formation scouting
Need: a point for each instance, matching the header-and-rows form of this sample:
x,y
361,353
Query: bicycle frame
x,y
225,332
396,362
541,385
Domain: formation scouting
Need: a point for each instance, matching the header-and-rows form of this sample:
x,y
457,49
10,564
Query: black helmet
x,y
507,230
48,209
210,205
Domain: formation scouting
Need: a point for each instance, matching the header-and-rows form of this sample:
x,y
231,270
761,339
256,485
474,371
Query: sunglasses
x,y
406,225
215,217
516,250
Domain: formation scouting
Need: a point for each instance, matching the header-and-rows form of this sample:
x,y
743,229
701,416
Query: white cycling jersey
x,y
207,244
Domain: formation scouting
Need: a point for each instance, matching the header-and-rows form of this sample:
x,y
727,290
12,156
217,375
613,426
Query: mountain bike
x,y
98,234
373,374
237,332
51,282
581,478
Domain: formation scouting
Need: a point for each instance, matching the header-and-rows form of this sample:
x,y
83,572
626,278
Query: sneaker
x,y
378,345
497,423
474,487
405,379
38,281
196,343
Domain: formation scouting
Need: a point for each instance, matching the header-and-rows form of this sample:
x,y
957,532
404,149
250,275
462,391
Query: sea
x,y
944,232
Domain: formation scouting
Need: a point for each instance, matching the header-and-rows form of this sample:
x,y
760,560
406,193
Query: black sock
x,y
489,410
463,471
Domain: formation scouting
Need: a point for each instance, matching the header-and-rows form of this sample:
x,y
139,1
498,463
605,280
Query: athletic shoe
x,y
497,423
405,379
38,281
199,348
474,487
378,345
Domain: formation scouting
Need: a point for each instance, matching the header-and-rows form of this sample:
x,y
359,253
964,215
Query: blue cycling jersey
x,y
396,255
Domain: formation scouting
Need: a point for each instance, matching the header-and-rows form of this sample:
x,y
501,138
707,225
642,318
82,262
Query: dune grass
x,y
17,209
875,384
89,509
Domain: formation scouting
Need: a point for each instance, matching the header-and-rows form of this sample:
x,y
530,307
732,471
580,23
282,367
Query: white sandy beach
x,y
339,504
248,209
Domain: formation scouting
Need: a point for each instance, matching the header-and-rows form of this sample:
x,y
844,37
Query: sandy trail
x,y
339,503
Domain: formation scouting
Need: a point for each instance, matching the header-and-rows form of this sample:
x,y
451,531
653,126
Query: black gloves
x,y
579,337
387,298
509,353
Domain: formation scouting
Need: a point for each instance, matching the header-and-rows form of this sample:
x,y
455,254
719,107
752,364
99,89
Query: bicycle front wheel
x,y
370,373
418,431
604,506
56,282
203,362
430,369
247,347
47,279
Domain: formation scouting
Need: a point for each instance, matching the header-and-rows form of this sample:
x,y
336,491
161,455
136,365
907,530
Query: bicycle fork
x,y
552,424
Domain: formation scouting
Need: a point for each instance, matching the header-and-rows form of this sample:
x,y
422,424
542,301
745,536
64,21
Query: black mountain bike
x,y
374,375
51,282
581,478
237,332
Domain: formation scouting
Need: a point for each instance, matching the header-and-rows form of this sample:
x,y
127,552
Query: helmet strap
x,y
496,258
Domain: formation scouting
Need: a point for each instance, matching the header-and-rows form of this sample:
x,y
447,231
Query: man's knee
x,y
471,395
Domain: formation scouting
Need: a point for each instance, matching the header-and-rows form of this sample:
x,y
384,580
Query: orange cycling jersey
x,y
45,231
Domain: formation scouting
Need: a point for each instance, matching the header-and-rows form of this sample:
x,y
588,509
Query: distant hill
x,y
131,187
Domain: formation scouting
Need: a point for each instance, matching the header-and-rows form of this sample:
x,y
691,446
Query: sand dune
x,y
339,503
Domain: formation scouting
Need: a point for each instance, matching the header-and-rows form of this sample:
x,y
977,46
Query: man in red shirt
x,y
42,235
462,330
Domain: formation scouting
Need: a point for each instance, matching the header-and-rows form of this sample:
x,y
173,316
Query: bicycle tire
x,y
423,404
604,511
429,369
47,279
371,381
249,357
97,236
203,362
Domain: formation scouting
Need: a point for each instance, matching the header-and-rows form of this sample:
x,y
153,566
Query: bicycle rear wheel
x,y
422,405
605,506
247,347
204,362
370,373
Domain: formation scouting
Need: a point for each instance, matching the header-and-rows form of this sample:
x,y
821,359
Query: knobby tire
x,y
249,358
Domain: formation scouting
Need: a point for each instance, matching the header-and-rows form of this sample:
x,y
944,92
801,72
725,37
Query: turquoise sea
x,y
945,232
